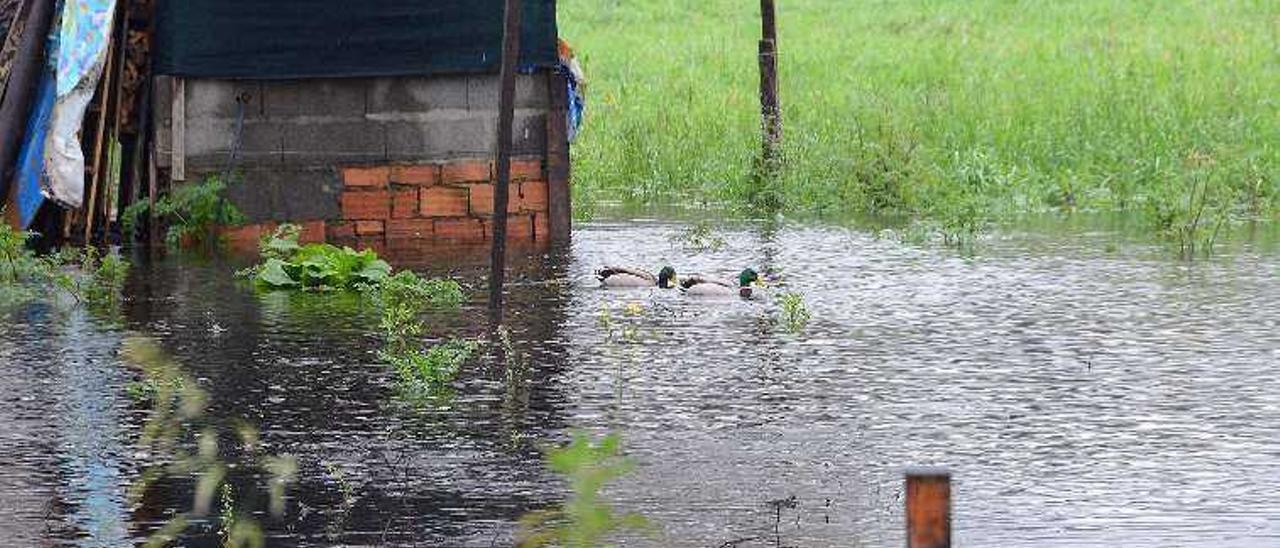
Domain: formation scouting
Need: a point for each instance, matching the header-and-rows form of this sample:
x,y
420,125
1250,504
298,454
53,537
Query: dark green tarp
x,y
334,38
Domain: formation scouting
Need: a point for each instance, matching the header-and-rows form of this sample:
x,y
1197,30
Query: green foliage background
x,y
956,110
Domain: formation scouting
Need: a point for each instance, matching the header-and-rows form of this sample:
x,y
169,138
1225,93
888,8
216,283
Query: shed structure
x,y
370,124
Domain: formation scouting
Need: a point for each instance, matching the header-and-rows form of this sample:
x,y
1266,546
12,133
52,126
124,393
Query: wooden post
x,y
502,164
770,110
928,509
153,179
559,208
178,138
105,88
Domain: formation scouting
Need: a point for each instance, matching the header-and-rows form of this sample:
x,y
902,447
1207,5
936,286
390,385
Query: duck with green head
x,y
616,276
702,285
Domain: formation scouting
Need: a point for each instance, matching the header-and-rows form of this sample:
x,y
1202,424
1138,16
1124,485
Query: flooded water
x,y
1084,390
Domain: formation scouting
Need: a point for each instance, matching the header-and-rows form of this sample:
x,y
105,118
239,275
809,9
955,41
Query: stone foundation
x,y
396,164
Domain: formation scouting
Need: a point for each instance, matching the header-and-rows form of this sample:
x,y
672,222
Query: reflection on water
x,y
1080,396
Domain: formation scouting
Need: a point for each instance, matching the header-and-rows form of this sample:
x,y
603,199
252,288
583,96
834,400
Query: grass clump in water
x,y
426,372
421,373
698,237
89,276
795,313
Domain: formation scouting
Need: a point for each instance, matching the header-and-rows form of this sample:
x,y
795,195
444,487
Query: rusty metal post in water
x,y
928,508
770,110
502,164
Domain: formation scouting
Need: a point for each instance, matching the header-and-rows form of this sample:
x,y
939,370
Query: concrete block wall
x,y
382,162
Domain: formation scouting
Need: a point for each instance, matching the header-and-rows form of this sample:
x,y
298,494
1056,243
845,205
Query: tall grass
x,y
949,109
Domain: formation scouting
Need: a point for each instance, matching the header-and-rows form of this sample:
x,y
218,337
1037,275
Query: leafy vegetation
x,y
422,373
316,267
90,277
954,113
191,211
323,267
585,520
426,372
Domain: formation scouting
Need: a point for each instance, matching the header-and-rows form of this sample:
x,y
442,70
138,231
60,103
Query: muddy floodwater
x,y
1084,389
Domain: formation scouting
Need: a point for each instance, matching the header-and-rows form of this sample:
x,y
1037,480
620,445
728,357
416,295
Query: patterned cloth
x,y
83,36
82,41
577,82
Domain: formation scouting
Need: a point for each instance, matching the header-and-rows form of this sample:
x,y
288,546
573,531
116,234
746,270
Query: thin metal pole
x,y
928,508
502,165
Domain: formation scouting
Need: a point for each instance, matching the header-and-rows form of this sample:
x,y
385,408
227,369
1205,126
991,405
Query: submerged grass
x,y
957,111
90,277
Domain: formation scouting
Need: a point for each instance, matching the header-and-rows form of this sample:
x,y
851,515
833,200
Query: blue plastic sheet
x,y
31,157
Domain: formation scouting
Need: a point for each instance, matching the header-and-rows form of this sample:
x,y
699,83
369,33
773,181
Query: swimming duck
x,y
701,285
616,276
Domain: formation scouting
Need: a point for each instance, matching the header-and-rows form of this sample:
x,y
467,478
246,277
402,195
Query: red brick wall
x,y
414,206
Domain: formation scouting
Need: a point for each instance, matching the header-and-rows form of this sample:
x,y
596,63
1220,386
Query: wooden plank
x,y
928,509
559,197
179,132
153,228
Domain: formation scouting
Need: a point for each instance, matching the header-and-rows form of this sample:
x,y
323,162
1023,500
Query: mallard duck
x,y
615,276
702,285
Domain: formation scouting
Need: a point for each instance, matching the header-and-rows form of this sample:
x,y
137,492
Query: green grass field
x,y
938,108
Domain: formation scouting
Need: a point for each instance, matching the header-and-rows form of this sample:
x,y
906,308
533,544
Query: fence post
x,y
502,164
770,111
928,508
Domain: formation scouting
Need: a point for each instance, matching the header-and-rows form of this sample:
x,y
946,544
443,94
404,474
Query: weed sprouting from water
x,y
585,520
90,277
698,238
795,314
425,372
625,328
348,493
422,374
1193,213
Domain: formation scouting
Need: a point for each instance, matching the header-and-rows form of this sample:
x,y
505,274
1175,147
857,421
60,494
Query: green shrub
x,y
192,212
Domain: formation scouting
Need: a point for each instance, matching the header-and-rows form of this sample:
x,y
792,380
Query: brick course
x,y
366,205
365,177
443,201
421,175
466,172
404,203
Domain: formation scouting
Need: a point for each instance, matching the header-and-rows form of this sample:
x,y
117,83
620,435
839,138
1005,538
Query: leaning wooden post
x,y
928,508
502,164
770,110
